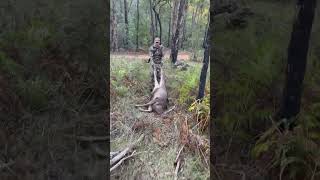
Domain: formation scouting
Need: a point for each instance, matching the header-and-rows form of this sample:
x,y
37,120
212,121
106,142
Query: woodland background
x,y
251,41
52,88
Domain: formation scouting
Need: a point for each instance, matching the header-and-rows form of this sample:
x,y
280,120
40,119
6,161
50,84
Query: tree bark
x,y
297,59
126,23
158,20
169,33
194,14
152,23
182,38
206,59
137,37
175,38
114,34
174,16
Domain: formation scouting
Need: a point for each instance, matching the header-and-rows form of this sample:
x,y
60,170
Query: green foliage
x,y
9,67
193,37
294,154
250,70
188,87
201,111
129,76
34,93
55,33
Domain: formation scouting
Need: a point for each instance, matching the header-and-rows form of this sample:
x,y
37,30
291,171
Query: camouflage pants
x,y
157,66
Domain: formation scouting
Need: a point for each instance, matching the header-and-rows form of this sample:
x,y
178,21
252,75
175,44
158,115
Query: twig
x,y
177,163
169,110
177,170
122,160
179,153
125,151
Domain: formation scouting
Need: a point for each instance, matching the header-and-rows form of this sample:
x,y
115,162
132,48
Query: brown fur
x,y
159,99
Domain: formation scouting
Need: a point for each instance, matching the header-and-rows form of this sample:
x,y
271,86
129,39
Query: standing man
x,y
156,55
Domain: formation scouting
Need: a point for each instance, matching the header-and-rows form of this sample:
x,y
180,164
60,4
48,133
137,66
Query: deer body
x,y
159,100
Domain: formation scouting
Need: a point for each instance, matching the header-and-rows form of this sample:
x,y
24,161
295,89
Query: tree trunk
x,y
183,31
297,59
174,16
126,24
169,33
184,28
206,59
158,20
114,34
195,12
157,14
137,37
152,23
175,38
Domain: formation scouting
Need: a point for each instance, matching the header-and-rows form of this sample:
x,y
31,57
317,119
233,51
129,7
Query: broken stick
x,y
125,151
122,160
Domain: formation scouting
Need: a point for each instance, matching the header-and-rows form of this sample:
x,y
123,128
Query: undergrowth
x,y
130,82
250,71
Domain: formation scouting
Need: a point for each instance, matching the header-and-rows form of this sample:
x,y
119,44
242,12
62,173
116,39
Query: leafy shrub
x,y
295,154
201,111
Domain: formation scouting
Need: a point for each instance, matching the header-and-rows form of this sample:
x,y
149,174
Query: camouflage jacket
x,y
156,54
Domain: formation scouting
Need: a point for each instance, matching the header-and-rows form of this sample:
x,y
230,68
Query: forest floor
x,y
44,145
184,55
162,135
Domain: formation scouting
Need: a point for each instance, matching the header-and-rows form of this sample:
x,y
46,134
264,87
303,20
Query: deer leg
x,y
161,78
156,84
146,110
154,90
147,104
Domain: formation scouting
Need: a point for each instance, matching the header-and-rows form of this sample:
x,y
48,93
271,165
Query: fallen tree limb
x,y
179,153
177,170
112,154
169,110
122,160
125,151
177,163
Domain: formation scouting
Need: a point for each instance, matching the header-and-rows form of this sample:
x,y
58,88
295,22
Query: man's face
x,y
157,42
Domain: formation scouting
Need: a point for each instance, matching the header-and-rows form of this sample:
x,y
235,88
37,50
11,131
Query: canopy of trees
x,y
157,18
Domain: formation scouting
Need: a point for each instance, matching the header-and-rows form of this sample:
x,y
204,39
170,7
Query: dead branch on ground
x,y
121,156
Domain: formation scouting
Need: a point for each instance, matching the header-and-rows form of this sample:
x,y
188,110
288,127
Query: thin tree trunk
x,y
159,21
169,33
206,59
297,59
114,34
175,38
174,16
152,23
126,24
184,28
192,30
137,37
157,14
